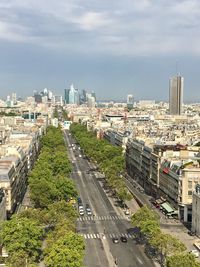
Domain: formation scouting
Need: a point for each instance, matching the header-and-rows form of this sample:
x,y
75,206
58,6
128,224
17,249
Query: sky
x,y
113,47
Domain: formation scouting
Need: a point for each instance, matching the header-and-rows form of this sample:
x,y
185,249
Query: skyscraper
x,y
74,95
14,98
176,95
130,101
66,96
71,94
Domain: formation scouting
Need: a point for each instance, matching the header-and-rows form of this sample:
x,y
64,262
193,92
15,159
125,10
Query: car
x,y
123,239
79,200
87,172
88,211
127,212
115,240
81,210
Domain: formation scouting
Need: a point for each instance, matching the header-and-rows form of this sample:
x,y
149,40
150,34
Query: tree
x,y
60,164
19,259
34,214
43,193
21,236
59,211
68,251
183,260
66,187
166,245
150,227
142,215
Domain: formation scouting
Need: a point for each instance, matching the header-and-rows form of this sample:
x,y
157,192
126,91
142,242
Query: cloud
x,y
128,27
93,20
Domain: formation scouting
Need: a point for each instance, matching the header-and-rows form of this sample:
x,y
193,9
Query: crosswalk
x,y
107,236
101,218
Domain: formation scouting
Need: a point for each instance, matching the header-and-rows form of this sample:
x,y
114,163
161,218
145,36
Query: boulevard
x,y
106,221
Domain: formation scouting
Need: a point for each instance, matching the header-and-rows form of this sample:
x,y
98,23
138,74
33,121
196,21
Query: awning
x,y
167,207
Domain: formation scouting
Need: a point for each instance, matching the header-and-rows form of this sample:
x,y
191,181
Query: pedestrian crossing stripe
x,y
101,218
113,235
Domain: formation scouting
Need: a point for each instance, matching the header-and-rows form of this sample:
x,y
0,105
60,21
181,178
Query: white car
x,y
89,212
81,210
127,212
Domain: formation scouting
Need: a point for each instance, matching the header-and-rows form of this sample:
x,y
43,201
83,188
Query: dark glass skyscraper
x,y
176,95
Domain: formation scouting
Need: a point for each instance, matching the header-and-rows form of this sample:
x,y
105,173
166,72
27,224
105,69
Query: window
x,y
189,192
190,184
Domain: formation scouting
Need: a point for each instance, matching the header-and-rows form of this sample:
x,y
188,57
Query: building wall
x,y
196,212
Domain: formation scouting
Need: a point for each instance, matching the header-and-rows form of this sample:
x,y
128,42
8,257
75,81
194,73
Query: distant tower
x,y
130,101
76,97
14,98
66,96
71,94
176,95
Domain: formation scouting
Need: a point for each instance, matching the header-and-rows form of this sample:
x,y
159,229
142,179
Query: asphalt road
x,y
105,223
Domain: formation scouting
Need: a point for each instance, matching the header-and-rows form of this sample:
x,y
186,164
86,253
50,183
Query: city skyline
x,y
115,49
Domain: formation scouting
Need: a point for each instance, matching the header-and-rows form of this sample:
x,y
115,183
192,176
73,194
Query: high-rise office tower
x,y
14,98
76,97
66,96
130,101
90,101
82,97
176,95
94,95
71,94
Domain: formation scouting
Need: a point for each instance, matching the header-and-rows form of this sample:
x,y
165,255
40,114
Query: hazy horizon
x,y
114,48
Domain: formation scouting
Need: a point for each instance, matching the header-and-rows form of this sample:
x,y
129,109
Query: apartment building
x,y
196,210
117,138
171,172
3,215
134,159
13,179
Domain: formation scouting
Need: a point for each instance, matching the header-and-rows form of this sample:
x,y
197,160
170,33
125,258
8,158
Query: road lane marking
x,y
139,260
101,218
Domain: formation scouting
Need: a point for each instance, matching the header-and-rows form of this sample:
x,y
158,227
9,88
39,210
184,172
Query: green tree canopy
x,y
167,245
22,236
182,260
68,251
